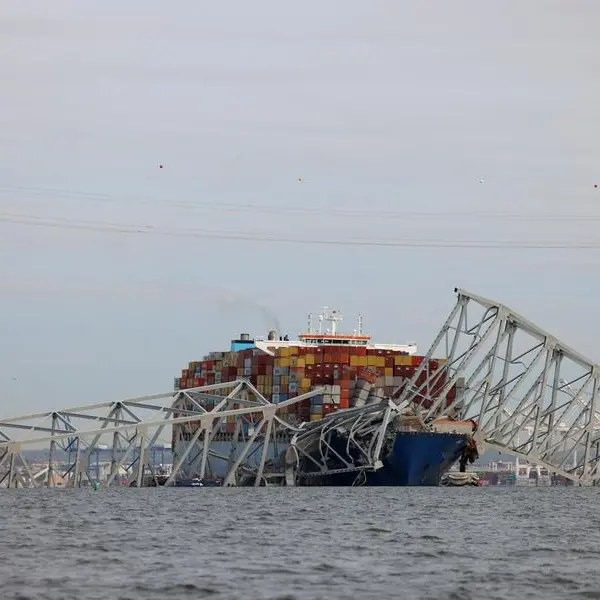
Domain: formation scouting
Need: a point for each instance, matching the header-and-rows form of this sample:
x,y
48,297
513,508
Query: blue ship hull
x,y
415,459
419,458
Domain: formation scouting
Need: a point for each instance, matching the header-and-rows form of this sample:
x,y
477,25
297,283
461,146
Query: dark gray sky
x,y
385,109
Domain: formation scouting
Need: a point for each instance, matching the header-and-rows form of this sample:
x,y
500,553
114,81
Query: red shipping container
x,y
359,350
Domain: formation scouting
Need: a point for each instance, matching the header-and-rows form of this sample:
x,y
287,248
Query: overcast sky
x,y
384,109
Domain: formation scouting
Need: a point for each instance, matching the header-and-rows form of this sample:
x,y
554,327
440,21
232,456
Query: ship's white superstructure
x,y
316,336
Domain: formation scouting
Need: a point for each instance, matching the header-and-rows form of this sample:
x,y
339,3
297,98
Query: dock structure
x,y
528,394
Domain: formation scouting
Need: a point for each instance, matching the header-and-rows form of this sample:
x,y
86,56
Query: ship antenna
x,y
333,316
310,322
360,324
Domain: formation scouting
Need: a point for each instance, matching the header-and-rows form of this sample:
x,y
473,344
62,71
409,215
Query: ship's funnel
x,y
244,337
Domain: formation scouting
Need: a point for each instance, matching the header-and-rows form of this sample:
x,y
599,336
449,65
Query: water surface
x,y
299,544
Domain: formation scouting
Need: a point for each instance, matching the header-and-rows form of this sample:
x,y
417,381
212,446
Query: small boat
x,y
197,482
458,479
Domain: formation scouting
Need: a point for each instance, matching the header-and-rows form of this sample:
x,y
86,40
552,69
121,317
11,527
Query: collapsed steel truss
x,y
531,395
132,427
347,442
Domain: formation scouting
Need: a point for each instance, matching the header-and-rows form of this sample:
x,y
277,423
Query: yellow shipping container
x,y
380,361
306,383
314,417
354,361
284,362
310,359
301,362
389,372
293,351
404,361
293,361
372,361
284,351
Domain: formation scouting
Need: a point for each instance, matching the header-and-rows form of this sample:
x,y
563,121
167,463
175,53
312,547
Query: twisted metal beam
x,y
532,395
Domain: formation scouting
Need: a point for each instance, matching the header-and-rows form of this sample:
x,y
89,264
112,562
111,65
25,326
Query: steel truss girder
x,y
132,427
531,395
313,453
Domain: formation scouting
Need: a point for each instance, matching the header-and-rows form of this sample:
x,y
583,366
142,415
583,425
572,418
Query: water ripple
x,y
303,544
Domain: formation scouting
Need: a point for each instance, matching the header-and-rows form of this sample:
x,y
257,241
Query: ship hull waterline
x,y
416,459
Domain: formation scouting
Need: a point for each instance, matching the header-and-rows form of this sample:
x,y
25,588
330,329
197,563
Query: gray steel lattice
x,y
531,395
128,429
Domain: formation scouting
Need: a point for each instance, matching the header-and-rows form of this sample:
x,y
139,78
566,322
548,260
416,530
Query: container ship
x,y
358,379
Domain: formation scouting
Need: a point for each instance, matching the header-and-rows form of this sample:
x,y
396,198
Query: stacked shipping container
x,y
296,370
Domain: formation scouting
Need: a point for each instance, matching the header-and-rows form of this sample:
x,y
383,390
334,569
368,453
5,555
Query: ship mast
x,y
333,316
310,323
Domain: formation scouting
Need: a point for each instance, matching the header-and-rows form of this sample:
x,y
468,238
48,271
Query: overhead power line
x,y
220,206
123,228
